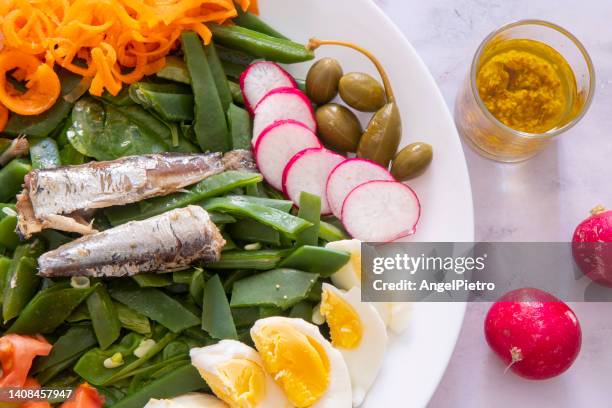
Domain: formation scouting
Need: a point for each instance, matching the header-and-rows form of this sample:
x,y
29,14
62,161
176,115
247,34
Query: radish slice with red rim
x,y
283,104
260,78
381,211
308,171
277,144
348,175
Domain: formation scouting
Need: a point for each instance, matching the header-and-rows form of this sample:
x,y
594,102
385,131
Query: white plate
x,y
415,361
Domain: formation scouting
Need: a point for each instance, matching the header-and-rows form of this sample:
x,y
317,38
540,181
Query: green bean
x,y
210,187
175,70
315,292
104,317
172,102
183,276
217,318
281,288
310,210
44,154
132,320
248,207
323,261
48,309
252,22
253,231
232,70
196,286
219,75
70,156
5,264
11,178
234,276
20,285
91,364
236,93
260,45
153,280
245,316
302,310
221,218
121,99
240,127
51,373
279,204
73,343
154,304
259,260
44,124
270,311
176,382
8,236
234,56
210,125
80,314
330,232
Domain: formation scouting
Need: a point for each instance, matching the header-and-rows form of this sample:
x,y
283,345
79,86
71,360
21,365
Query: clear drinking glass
x,y
493,139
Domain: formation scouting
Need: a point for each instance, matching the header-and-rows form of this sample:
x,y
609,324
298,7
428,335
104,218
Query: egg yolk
x,y
239,382
297,362
343,321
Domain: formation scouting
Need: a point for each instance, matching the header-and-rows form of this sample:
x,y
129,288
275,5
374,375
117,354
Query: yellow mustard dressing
x,y
527,85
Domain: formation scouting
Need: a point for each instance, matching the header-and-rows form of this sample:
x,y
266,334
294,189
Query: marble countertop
x,y
542,199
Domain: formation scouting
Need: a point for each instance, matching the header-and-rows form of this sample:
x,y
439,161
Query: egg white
x,y
190,400
207,358
396,315
365,360
338,393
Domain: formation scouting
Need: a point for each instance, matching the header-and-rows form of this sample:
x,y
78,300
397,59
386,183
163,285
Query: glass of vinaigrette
x,y
529,81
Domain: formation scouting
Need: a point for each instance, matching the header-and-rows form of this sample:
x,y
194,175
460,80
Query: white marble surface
x,y
539,200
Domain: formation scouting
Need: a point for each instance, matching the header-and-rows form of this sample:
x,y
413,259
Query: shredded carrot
x,y
110,42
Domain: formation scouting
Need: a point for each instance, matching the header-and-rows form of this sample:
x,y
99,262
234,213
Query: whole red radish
x,y
592,246
534,333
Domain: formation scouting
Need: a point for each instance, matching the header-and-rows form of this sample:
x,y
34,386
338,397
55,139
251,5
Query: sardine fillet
x,y
166,242
64,191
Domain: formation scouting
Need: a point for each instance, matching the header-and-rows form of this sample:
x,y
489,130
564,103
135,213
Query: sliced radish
x,y
308,171
283,104
277,144
260,78
381,211
348,175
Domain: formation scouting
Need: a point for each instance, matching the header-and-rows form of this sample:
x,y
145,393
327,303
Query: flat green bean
x,y
232,70
240,127
44,154
280,288
176,382
132,320
324,261
218,73
210,187
329,232
310,210
11,178
20,285
175,70
210,125
154,304
234,56
259,260
8,236
48,309
302,310
153,280
252,231
246,206
217,318
104,317
73,343
260,45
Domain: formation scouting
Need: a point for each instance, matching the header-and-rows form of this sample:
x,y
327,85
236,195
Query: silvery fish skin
x,y
55,198
166,242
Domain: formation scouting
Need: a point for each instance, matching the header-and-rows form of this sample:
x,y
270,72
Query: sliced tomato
x,y
16,355
86,397
32,383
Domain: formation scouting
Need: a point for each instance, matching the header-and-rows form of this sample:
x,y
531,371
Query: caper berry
x,y
322,80
412,161
338,127
362,92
